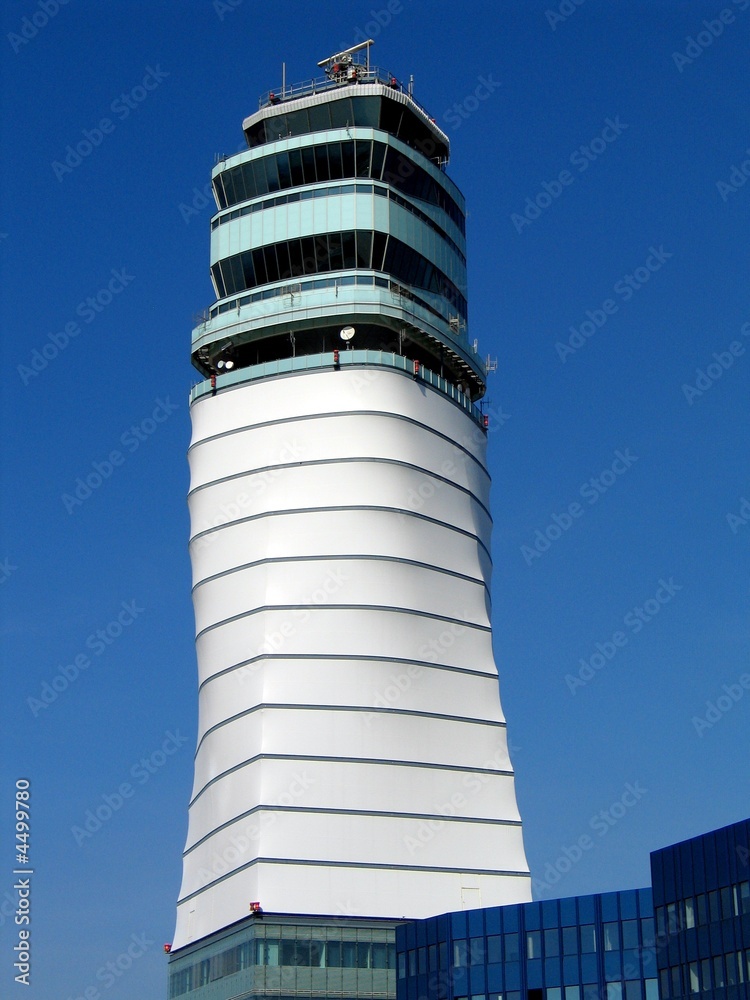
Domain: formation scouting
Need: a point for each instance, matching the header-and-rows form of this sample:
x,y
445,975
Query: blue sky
x,y
608,261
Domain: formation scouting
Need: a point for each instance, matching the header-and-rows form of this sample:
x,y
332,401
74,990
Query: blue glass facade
x,y
702,903
581,948
685,938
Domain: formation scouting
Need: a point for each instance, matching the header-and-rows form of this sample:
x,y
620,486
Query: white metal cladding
x,y
352,753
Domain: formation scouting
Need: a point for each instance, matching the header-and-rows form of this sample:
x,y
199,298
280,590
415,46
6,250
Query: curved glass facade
x,y
377,110
343,251
329,192
322,162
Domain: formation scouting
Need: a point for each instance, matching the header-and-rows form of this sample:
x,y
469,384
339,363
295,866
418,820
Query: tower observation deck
x,y
352,756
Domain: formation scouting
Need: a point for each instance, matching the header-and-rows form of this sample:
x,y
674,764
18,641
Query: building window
x,y
570,940
572,993
652,990
588,939
664,991
647,931
460,954
349,956
676,980
552,942
512,953
633,989
630,933
611,936
614,991
731,964
477,951
690,912
534,945
706,973
718,971
695,982
380,956
494,949
267,952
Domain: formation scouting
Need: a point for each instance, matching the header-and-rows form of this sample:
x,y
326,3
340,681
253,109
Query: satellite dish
x,y
347,333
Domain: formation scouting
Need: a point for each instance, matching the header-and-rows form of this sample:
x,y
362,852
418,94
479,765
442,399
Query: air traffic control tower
x,y
352,765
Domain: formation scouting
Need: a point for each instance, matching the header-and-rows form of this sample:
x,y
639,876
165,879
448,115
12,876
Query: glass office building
x,y
687,938
289,958
702,901
598,947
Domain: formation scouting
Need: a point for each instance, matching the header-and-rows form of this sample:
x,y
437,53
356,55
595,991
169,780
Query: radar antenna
x,y
341,68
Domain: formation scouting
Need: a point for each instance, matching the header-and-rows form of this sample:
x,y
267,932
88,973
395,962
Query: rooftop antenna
x,y
283,81
340,66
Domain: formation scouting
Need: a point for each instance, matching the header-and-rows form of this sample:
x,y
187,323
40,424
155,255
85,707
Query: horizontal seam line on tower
x,y
374,813
355,709
348,460
335,557
401,511
353,864
341,413
379,761
348,656
340,607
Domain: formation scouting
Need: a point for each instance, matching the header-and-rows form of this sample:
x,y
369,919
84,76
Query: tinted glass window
x,y
341,113
570,941
511,948
588,939
334,160
611,937
551,942
630,933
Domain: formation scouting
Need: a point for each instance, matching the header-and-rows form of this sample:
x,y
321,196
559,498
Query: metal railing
x,y
356,358
323,84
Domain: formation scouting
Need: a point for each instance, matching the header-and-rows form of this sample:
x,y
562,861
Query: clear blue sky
x,y
632,229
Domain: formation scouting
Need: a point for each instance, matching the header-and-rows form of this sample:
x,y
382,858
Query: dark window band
x,y
379,111
332,162
345,251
